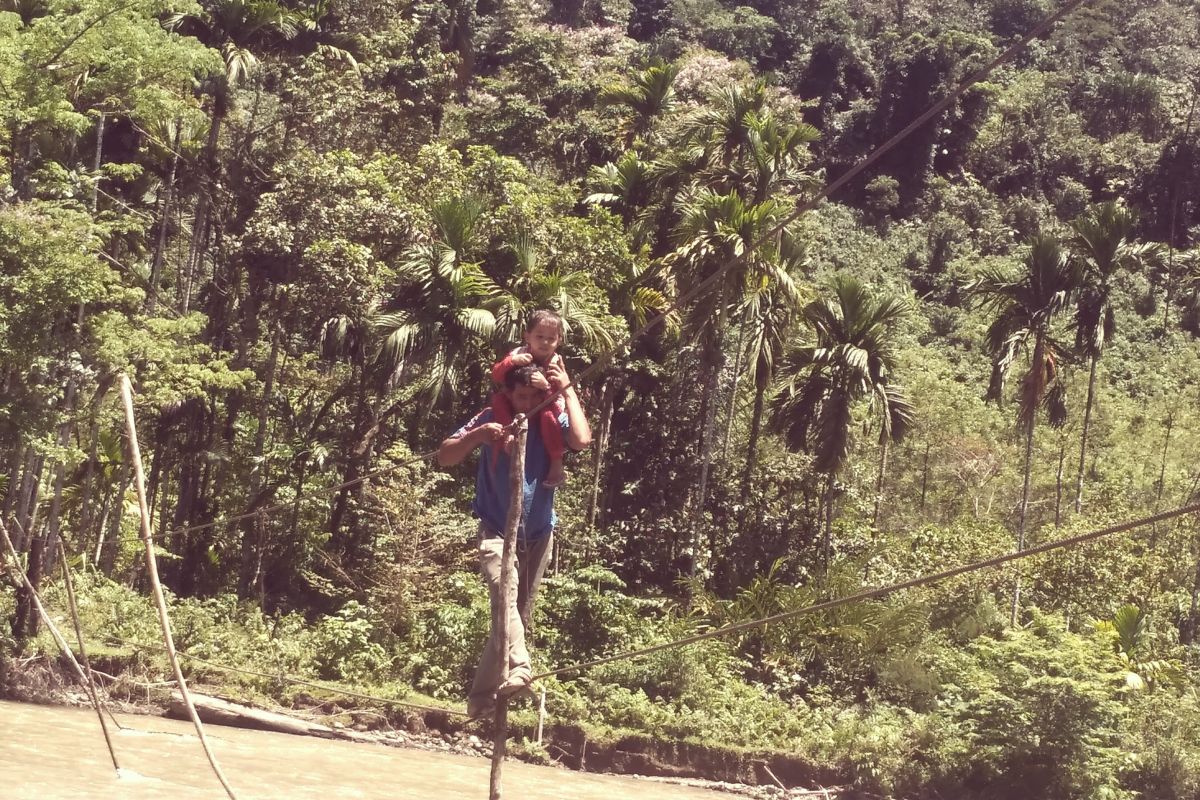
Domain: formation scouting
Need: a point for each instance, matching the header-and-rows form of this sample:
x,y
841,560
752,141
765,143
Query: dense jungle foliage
x,y
306,229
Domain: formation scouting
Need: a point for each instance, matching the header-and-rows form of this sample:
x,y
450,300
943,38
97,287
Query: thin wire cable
x,y
869,594
821,196
290,679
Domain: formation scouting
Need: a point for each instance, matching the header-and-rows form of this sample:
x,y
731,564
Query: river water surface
x,y
55,753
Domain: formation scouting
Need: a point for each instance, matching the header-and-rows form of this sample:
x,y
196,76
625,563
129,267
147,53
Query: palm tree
x,y
649,95
449,309
573,295
1129,630
768,314
851,356
443,323
1025,307
777,155
723,128
626,186
1103,242
714,231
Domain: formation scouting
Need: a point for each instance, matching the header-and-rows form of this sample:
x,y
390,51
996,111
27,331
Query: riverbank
x,y
38,679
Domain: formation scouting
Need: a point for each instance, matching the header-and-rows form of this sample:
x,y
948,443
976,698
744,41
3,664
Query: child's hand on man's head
x,y
539,382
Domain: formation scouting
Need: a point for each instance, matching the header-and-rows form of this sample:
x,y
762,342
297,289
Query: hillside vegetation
x,y
305,230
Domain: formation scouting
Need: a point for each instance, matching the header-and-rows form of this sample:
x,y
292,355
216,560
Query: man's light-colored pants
x,y
532,558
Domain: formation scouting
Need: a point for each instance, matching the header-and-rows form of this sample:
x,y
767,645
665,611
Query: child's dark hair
x,y
520,376
546,315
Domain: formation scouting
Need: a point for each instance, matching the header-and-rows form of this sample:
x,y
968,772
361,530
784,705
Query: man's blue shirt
x,y
491,482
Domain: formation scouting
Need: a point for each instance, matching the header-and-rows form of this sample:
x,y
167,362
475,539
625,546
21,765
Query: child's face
x,y
542,341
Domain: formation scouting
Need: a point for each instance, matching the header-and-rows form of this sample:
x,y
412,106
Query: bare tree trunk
x,y
607,397
164,216
196,250
1058,482
1162,476
106,549
30,486
751,454
925,477
88,488
707,418
96,163
1029,427
54,518
16,462
1170,287
252,545
730,410
883,459
828,538
1083,437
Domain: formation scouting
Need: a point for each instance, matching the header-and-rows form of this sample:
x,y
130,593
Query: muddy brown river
x,y
53,753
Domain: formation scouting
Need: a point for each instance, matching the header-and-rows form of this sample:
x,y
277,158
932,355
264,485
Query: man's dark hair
x,y
520,376
546,315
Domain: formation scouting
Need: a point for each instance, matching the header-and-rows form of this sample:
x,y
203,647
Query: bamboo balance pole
x,y
508,566
139,482
58,639
83,656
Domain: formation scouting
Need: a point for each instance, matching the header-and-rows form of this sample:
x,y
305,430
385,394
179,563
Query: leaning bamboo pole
x,y
139,482
508,566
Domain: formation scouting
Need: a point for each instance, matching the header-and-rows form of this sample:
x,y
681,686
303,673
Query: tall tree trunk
x,y
1058,482
54,518
883,460
15,465
607,397
96,163
164,217
730,410
341,502
1083,437
25,619
86,515
107,549
197,248
827,544
751,454
1174,217
925,477
252,545
707,418
1029,427
1162,476
30,488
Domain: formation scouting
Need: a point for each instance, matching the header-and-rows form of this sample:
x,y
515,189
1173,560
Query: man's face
x,y
542,341
523,398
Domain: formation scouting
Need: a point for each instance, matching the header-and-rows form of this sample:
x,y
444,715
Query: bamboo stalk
x,y
508,565
139,481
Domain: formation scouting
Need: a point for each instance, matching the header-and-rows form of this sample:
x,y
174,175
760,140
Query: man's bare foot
x,y
556,475
481,707
518,682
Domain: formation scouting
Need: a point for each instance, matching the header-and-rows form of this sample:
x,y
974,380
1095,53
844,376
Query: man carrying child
x,y
535,534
